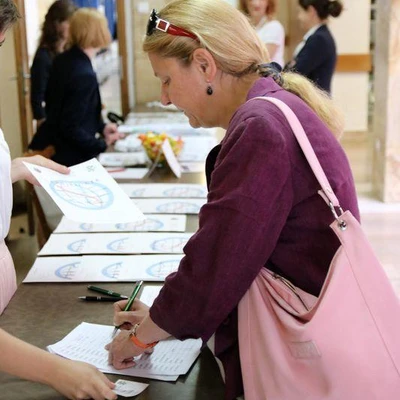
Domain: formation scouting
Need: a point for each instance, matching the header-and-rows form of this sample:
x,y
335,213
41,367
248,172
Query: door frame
x,y
123,56
23,77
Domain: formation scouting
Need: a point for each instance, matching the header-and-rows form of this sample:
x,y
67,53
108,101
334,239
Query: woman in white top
x,y
75,380
270,30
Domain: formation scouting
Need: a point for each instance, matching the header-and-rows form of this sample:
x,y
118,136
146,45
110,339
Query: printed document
x,y
87,193
170,357
104,268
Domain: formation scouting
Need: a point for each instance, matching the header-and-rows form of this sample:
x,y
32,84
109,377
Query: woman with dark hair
x,y
52,42
315,56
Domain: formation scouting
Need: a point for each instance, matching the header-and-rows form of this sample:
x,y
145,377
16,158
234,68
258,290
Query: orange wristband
x,y
137,342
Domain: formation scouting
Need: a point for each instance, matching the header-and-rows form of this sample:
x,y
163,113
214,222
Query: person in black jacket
x,y
315,56
53,39
74,124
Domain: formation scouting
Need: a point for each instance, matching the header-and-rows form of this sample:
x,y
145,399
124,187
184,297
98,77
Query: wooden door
x,y
23,77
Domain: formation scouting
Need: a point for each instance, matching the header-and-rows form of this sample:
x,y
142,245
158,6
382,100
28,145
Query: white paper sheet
x,y
170,206
128,388
127,173
196,149
103,268
86,343
171,158
192,167
123,159
87,194
152,223
149,294
55,269
115,243
164,190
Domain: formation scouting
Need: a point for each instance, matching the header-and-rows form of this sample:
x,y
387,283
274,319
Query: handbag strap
x,y
326,190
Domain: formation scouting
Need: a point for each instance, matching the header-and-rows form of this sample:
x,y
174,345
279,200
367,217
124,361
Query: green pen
x,y
107,292
129,303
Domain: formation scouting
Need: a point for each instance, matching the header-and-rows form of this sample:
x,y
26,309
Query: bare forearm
x,y
26,361
149,332
272,48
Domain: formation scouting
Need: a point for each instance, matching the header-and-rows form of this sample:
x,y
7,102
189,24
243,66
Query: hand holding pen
x,y
129,303
127,319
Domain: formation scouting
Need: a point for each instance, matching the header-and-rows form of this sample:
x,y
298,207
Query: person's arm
x,y
273,35
111,134
250,198
272,48
76,106
75,380
40,72
311,56
121,349
19,171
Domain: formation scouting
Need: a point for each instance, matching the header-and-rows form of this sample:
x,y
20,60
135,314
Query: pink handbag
x,y
343,345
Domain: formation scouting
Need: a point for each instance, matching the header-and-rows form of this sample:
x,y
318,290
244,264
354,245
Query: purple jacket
x,y
263,210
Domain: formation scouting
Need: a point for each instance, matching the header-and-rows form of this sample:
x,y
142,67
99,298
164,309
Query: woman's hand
x,y
19,171
122,350
126,319
77,380
111,134
39,122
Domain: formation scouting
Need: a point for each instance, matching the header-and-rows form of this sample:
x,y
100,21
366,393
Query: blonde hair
x,y
227,34
271,7
89,28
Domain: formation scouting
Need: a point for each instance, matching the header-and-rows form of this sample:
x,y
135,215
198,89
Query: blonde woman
x,y
73,105
269,29
263,210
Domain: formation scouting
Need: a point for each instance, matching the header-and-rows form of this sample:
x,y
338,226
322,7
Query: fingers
x,y
101,393
55,166
122,364
125,319
120,305
47,163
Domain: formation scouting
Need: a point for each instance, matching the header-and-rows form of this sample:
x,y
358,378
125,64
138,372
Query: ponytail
x,y
324,8
317,99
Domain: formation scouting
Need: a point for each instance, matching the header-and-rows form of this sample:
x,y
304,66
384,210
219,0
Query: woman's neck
x,y
90,52
235,92
316,22
259,20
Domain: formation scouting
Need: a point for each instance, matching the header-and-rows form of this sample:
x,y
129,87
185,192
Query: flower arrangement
x,y
152,142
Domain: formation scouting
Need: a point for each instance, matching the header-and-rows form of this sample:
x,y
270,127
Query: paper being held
x,y
88,194
128,388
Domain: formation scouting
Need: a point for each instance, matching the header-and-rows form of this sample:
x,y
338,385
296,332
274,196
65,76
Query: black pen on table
x,y
100,298
107,292
129,303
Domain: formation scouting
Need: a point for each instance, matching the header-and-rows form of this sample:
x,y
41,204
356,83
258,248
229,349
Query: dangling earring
x,y
209,90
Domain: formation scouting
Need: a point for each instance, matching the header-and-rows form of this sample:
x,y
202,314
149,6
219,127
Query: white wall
x,y
352,35
9,103
35,11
